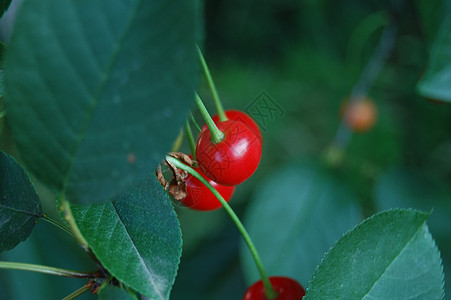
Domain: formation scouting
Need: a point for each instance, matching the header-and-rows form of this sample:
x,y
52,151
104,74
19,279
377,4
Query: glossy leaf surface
x,y
136,237
435,83
389,256
97,92
20,207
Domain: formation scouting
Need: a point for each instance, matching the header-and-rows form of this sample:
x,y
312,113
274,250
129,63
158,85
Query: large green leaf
x,y
136,237
98,91
295,216
19,204
388,256
436,81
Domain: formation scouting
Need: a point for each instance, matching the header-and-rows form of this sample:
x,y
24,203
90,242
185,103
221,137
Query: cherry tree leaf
x,y
390,255
136,236
97,92
20,208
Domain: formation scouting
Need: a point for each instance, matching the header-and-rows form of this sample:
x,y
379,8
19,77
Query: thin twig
x,y
367,79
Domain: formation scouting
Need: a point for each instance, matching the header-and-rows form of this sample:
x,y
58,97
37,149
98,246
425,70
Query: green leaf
x,y
136,237
97,92
295,216
388,256
400,188
436,81
20,208
4,4
116,293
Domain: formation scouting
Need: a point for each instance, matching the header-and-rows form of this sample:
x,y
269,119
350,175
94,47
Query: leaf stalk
x,y
44,269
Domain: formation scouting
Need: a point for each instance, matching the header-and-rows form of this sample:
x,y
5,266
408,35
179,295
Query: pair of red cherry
x,y
227,163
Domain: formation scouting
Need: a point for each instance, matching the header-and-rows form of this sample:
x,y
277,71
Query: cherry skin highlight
x,y
287,289
235,158
238,115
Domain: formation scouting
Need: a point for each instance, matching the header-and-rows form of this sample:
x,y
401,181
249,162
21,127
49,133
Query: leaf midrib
x,y
20,211
149,274
394,259
96,96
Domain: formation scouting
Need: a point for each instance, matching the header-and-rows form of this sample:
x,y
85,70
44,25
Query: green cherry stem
x,y
367,78
194,122
270,292
57,224
216,135
190,138
43,269
77,293
217,101
2,114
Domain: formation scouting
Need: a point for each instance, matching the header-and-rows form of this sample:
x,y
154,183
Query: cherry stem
x,y
2,114
217,101
190,138
78,293
44,269
216,135
366,81
57,224
194,122
269,290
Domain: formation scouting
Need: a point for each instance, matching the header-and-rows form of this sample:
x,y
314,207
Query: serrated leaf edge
x,y
179,250
364,222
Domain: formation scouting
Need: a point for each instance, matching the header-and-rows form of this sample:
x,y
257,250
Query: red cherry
x,y
235,158
199,197
287,289
238,115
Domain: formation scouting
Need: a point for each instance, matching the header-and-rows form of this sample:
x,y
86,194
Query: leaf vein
x,y
96,97
392,261
20,211
139,254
